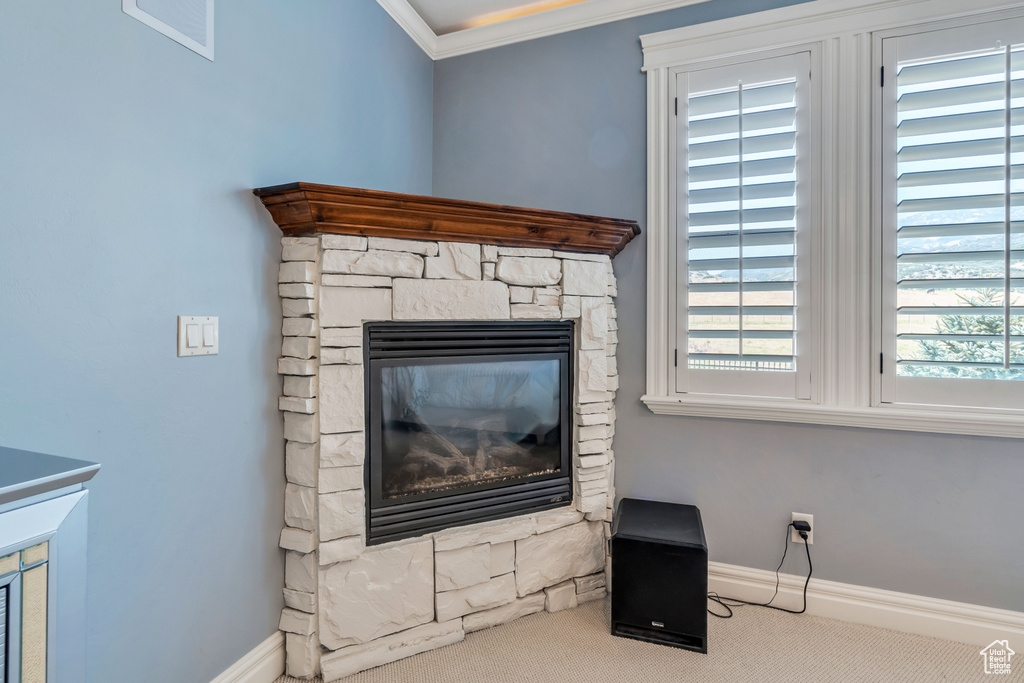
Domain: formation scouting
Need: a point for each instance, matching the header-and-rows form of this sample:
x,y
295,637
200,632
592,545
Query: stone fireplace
x,y
386,413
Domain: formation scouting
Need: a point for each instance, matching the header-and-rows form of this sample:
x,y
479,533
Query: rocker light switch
x,y
198,335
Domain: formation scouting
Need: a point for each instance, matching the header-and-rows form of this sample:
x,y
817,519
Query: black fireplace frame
x,y
397,343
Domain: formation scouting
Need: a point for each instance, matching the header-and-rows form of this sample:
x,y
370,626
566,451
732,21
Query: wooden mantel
x,y
306,208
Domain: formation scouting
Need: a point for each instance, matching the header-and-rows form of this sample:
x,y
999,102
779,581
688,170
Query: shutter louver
x,y
741,246
960,216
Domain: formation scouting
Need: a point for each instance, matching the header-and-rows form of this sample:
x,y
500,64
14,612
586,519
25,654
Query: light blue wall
x,y
559,123
126,165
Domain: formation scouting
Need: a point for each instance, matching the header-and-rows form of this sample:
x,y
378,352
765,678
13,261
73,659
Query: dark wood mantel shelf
x,y
306,208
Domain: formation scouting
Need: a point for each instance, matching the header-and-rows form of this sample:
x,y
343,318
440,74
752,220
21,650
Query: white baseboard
x,y
263,664
958,621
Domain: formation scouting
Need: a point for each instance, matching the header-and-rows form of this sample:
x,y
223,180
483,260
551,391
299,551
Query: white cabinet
x,y
43,514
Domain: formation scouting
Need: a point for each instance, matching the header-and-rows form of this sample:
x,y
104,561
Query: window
x,y
953,215
744,228
835,223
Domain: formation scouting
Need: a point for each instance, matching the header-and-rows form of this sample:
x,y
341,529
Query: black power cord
x,y
734,602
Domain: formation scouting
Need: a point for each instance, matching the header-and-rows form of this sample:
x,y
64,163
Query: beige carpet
x,y
756,645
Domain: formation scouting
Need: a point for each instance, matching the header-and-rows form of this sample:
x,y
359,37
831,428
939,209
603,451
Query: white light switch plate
x,y
198,335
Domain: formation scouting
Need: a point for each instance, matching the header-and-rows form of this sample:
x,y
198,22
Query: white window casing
x,y
843,340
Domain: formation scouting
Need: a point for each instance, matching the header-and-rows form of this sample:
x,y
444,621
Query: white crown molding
x,y
960,621
551,22
520,29
412,23
263,664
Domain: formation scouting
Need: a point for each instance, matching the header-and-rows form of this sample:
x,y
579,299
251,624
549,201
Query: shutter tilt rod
x,y
1007,225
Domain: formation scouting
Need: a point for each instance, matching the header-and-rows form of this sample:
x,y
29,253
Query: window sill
x,y
940,420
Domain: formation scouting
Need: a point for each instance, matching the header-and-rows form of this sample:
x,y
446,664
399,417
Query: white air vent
x,y
189,22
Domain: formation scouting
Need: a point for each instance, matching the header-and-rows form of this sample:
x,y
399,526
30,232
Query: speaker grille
x,y
651,635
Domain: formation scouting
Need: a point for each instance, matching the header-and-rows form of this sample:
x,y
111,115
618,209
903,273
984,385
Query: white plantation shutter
x,y
953,216
742,228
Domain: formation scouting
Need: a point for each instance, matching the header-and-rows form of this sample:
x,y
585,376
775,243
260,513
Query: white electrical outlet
x,y
794,535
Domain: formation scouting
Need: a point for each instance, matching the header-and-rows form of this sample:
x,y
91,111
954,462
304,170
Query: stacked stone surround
x,y
349,606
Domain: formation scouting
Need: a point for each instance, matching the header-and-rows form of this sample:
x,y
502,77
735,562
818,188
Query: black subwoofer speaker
x,y
660,574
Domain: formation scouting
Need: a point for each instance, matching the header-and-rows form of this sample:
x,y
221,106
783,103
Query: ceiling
x,y
448,16
447,28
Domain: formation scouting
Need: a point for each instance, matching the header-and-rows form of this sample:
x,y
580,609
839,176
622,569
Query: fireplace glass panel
x,y
449,426
466,421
